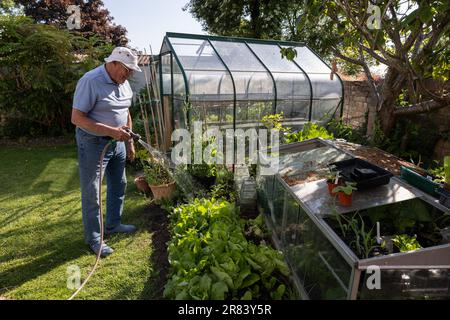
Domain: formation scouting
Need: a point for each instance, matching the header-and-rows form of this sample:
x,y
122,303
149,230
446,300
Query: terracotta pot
x,y
163,191
345,200
331,186
141,184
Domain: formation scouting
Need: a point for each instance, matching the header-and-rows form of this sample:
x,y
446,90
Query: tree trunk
x,y
390,90
255,18
387,116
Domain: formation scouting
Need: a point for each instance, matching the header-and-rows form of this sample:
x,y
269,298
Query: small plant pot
x,y
164,191
141,184
331,186
345,200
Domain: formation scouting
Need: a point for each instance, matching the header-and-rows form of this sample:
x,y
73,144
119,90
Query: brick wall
x,y
358,98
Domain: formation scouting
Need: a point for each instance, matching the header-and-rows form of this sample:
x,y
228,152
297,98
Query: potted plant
x,y
332,181
159,179
345,193
141,181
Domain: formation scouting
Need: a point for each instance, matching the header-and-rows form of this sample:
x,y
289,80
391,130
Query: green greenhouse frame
x,y
234,82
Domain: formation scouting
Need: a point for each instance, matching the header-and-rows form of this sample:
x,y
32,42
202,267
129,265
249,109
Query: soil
x,y
376,156
300,179
159,226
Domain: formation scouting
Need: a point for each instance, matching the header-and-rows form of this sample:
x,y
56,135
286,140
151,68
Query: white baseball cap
x,y
125,56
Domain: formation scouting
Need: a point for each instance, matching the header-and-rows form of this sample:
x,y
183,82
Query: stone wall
x,y
358,98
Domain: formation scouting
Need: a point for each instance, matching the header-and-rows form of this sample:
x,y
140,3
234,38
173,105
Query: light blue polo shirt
x,y
102,99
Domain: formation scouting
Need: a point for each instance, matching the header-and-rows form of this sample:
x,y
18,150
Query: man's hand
x,y
120,134
131,152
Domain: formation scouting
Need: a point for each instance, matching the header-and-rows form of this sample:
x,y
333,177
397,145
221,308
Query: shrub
x,y
39,71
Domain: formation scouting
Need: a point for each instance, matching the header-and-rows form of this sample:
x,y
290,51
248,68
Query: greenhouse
x,y
235,82
331,248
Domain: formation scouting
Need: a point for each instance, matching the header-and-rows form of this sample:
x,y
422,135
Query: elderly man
x,y
100,113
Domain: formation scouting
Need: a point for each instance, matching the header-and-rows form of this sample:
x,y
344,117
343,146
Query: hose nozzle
x,y
136,137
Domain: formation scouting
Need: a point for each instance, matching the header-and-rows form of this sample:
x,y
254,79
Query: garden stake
x,y
379,239
155,87
151,108
151,99
146,123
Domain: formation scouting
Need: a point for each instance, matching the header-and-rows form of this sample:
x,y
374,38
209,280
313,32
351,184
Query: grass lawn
x,y
41,232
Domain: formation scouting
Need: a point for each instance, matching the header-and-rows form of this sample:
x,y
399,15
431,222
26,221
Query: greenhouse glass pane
x,y
324,88
309,62
294,108
196,54
270,55
165,47
264,185
179,113
323,110
253,86
250,113
167,83
291,216
237,56
320,268
279,198
408,284
179,87
292,86
210,85
211,113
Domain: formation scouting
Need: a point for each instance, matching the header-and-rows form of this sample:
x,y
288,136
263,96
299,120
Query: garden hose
x,y
135,137
111,143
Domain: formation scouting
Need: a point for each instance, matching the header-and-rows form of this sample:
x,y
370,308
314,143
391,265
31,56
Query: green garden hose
x,y
111,143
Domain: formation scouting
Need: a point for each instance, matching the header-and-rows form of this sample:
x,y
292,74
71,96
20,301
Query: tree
x,y
247,18
410,37
39,72
95,19
7,7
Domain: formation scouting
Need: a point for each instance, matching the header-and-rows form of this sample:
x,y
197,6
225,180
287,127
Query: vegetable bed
x,y
211,258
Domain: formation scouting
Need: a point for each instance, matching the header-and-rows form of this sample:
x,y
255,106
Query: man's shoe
x,y
121,228
106,250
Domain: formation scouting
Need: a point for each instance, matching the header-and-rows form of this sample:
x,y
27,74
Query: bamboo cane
x,y
146,124
160,126
156,91
151,108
